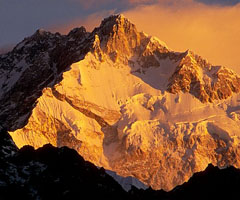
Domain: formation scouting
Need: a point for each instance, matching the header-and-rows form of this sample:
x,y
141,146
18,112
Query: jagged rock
x,y
123,100
62,173
204,81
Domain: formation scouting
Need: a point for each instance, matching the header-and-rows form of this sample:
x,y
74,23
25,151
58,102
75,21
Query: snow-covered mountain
x,y
123,100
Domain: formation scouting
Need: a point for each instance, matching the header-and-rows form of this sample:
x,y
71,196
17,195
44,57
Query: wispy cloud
x,y
220,2
89,22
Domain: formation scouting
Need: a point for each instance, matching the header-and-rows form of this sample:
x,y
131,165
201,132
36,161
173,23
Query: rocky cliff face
x,y
204,81
123,100
35,63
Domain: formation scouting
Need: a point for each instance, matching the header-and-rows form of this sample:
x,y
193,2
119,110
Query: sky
x,y
211,28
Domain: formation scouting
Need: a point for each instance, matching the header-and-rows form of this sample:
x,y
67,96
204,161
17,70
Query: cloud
x,y
89,22
141,1
97,4
220,2
116,4
104,9
210,31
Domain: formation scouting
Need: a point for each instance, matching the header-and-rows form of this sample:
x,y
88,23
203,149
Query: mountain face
x,y
207,83
123,100
50,173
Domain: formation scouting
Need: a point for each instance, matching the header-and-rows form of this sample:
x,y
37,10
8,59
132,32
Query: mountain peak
x,y
116,25
203,80
107,95
79,31
41,33
117,34
114,20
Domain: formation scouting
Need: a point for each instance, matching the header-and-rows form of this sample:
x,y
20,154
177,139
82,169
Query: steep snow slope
x,y
134,106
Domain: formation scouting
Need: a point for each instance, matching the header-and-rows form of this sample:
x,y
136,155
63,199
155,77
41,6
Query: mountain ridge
x,y
51,172
106,95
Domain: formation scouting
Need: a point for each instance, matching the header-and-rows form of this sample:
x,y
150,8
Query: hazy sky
x,y
209,27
